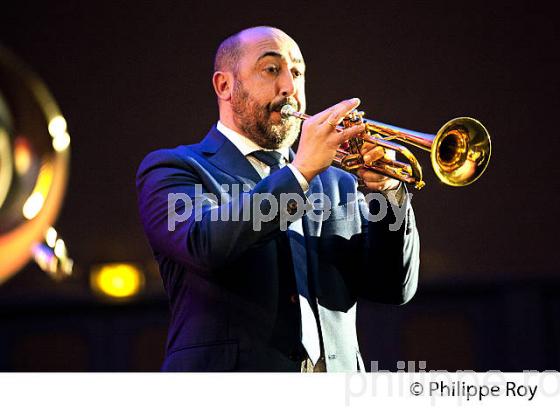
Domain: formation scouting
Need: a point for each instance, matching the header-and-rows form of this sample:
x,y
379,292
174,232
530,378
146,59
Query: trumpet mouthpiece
x,y
287,110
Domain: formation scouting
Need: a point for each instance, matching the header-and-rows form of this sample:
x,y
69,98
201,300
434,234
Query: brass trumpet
x,y
459,151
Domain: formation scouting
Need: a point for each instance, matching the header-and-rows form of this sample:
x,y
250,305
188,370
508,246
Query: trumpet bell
x,y
461,151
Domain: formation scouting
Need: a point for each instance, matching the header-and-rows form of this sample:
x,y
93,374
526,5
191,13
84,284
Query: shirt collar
x,y
245,145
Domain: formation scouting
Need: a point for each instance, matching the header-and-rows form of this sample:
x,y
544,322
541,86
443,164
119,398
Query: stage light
x,y
117,280
51,237
61,142
57,126
33,205
60,248
59,133
36,200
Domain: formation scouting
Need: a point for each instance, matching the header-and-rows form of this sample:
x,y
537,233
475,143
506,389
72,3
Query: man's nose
x,y
287,85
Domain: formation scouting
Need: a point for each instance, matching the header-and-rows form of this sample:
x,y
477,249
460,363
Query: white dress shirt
x,y
310,330
247,147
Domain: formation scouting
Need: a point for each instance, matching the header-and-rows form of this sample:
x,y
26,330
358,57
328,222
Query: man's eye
x,y
272,69
297,73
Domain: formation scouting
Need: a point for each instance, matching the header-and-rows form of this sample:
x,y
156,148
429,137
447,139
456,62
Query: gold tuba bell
x,y
34,160
459,151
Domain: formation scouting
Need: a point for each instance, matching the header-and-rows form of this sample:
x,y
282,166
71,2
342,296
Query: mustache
x,y
277,106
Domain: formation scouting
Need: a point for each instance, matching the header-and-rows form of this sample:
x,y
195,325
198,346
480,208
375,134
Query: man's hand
x,y
372,180
319,138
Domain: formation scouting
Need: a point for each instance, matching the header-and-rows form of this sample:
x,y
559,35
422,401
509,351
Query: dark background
x,y
133,77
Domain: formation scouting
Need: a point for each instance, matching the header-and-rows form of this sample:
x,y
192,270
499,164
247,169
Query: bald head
x,y
230,51
256,72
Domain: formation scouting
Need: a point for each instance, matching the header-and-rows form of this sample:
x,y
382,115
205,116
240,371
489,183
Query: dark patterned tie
x,y
270,158
286,333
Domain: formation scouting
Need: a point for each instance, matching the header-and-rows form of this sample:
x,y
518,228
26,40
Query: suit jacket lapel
x,y
226,156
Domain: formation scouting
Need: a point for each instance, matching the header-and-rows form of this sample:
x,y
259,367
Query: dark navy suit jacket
x,y
232,293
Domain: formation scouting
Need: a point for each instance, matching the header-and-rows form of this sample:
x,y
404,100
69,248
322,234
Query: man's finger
x,y
375,186
348,133
371,176
366,147
332,116
374,154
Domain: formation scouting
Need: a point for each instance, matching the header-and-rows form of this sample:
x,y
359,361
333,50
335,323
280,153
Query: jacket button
x,y
294,298
292,206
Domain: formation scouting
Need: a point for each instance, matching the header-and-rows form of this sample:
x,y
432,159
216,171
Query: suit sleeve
x,y
205,240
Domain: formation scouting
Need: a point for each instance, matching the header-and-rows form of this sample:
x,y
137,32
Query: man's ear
x,y
223,83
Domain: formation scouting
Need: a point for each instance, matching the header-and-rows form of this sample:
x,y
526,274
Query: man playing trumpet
x,y
271,300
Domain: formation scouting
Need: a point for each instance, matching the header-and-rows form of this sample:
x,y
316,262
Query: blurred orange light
x,y
22,155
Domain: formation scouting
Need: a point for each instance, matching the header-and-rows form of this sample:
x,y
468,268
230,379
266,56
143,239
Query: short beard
x,y
254,120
